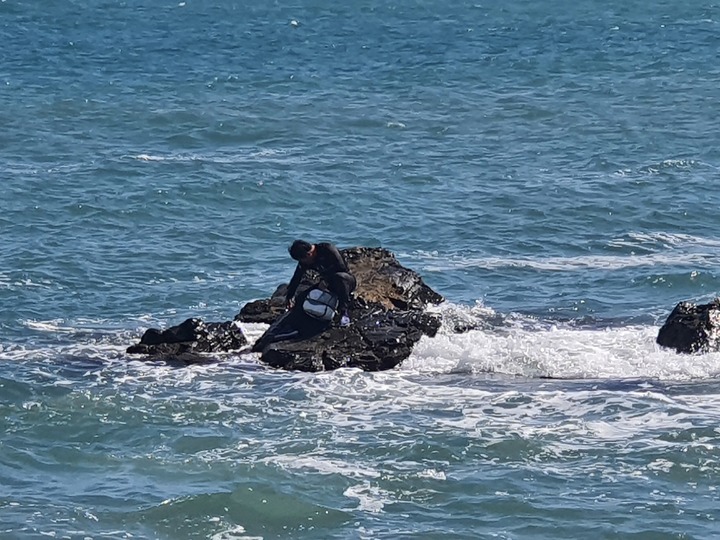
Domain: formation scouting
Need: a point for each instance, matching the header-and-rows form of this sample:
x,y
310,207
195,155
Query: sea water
x,y
550,167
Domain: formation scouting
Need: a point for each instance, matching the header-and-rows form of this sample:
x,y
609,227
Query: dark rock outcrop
x,y
268,310
387,311
692,328
187,341
381,281
374,342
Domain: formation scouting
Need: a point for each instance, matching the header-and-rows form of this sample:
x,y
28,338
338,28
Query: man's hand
x,y
290,303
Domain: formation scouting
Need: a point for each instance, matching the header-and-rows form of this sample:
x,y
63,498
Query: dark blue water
x,y
551,163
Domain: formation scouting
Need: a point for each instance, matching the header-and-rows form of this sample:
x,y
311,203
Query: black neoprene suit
x,y
331,266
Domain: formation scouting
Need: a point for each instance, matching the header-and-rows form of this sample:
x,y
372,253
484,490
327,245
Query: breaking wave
x,y
509,345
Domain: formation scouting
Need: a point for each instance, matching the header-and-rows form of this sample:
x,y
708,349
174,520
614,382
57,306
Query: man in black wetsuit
x,y
326,260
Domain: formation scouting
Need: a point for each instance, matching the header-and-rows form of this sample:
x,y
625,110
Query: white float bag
x,y
320,304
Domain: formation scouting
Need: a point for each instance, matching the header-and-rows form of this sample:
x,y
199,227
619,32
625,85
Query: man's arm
x,y
294,282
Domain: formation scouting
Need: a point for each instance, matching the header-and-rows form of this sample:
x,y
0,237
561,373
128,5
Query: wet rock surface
x,y
189,341
373,342
381,281
387,312
692,328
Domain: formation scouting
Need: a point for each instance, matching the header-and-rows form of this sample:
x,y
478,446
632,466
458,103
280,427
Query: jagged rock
x,y
267,310
381,281
375,342
692,328
387,313
387,310
187,341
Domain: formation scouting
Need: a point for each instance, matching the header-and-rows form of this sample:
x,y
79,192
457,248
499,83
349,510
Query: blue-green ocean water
x,y
554,164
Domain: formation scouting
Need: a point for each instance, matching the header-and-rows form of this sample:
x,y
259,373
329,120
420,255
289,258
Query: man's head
x,y
302,251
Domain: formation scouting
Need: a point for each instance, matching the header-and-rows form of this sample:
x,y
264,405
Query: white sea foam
x,y
670,164
54,326
560,264
525,348
667,249
95,350
319,464
26,283
432,474
371,498
263,155
149,157
81,325
93,339
513,346
234,532
651,239
561,353
252,331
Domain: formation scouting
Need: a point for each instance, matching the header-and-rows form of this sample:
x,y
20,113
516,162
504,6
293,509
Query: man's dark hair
x,y
299,249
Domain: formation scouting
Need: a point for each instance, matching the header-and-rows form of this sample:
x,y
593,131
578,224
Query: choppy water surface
x,y
549,168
